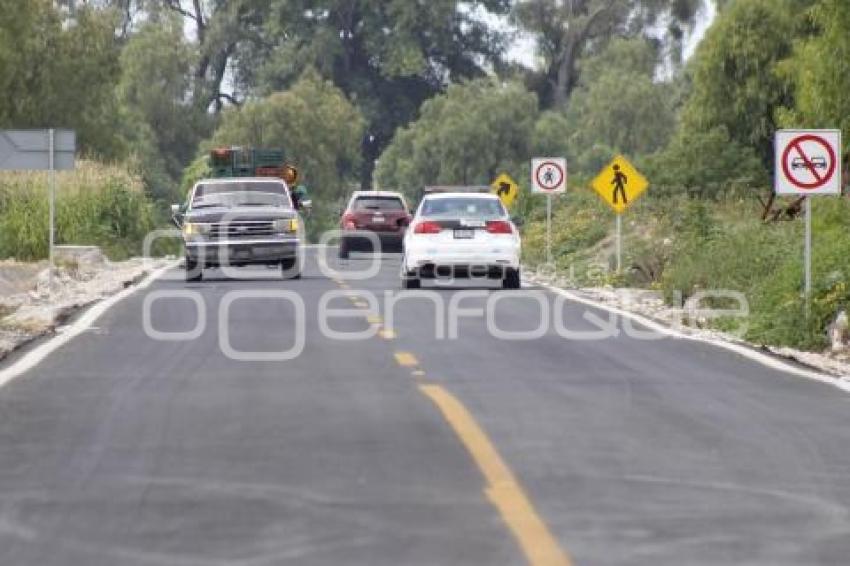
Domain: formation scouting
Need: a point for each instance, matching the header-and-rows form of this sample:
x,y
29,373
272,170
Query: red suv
x,y
381,213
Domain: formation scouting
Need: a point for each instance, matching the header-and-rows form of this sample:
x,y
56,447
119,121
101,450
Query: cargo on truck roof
x,y
237,161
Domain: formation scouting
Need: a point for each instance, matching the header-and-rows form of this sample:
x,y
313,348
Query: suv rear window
x,y
460,207
378,203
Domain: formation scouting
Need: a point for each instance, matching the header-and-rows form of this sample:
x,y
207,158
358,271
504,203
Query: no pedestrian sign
x,y
549,175
808,162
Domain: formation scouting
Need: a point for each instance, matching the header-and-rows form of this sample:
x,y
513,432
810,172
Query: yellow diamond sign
x,y
620,184
506,188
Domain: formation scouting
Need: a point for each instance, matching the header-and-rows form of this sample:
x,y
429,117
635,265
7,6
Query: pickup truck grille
x,y
241,229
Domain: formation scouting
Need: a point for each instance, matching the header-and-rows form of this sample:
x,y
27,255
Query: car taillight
x,y
499,227
428,227
348,222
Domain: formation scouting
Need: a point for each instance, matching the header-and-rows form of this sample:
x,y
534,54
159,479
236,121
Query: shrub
x,y
682,245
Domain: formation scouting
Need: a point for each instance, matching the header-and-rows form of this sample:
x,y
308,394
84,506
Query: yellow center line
x,y
503,489
374,319
406,359
386,334
358,303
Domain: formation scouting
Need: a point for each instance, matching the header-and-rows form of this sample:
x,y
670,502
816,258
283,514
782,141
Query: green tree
x,y
818,71
227,33
568,31
465,136
316,126
160,121
60,77
705,164
618,108
735,79
388,56
221,33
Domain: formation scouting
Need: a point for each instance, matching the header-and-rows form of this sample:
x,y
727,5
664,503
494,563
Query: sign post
x,y
619,184
549,176
40,150
807,253
549,229
619,243
807,164
51,182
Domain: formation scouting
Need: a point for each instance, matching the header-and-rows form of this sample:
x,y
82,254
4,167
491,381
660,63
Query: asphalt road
x,y
404,448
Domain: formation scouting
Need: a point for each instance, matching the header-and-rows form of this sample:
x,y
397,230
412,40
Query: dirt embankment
x,y
30,309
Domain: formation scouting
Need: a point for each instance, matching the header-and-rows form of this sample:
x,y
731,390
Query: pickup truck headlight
x,y
286,225
196,229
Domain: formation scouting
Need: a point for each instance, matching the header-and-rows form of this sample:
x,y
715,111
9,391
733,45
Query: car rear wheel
x,y
512,279
194,272
409,279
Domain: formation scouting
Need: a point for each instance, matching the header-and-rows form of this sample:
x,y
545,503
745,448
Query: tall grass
x,y
96,204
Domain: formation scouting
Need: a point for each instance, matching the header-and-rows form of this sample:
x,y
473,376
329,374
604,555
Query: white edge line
x,y
37,355
763,359
34,357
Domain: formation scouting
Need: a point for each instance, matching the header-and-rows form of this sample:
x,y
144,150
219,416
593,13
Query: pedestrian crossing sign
x,y
620,184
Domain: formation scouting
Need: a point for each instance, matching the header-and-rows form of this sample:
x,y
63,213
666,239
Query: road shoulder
x,y
801,364
47,319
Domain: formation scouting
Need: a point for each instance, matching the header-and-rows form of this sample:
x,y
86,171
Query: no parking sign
x,y
808,162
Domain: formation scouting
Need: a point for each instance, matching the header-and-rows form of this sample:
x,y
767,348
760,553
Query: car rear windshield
x,y
378,203
248,193
462,208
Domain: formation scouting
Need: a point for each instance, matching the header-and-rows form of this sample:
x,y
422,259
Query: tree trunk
x,y
565,82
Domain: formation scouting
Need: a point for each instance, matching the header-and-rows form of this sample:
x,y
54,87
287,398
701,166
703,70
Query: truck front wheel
x,y
290,268
194,271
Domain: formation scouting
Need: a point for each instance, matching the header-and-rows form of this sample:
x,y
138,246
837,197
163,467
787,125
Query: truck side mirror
x,y
306,206
176,215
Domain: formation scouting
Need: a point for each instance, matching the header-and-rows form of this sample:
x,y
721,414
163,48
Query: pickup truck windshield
x,y
234,194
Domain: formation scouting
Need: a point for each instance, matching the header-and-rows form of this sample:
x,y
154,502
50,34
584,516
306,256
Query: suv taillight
x,y
499,227
427,227
348,221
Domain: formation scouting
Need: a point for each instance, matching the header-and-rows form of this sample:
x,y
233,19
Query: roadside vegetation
x,y
702,135
682,245
103,205
402,94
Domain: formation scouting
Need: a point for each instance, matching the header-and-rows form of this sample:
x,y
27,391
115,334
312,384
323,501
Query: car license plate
x,y
464,234
378,219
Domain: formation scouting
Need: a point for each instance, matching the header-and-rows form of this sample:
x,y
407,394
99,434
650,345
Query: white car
x,y
461,235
